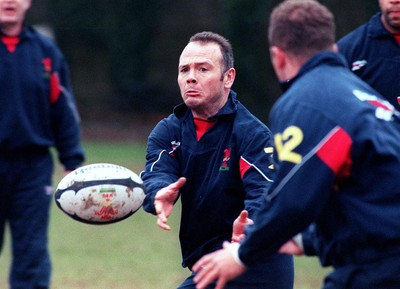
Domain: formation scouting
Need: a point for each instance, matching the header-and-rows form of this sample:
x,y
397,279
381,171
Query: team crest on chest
x,y
225,161
47,67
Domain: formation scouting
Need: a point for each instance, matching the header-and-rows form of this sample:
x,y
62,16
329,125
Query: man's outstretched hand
x,y
164,202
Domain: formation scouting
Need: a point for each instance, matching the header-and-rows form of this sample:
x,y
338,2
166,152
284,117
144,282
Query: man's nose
x,y
191,77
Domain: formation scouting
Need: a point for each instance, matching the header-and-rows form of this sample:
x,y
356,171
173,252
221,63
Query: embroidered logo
x,y
47,67
174,145
356,65
227,156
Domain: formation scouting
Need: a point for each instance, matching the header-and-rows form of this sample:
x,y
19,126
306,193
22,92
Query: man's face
x,y
12,12
202,83
391,14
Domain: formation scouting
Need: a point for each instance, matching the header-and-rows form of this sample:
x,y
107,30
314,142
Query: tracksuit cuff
x,y
234,248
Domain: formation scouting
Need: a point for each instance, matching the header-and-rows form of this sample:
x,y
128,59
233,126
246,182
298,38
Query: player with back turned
x,y
37,111
337,142
215,156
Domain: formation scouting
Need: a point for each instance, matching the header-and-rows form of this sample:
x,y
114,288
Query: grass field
x,y
132,254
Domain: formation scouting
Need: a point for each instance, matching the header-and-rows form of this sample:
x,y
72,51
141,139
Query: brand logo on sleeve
x,y
175,145
384,110
357,65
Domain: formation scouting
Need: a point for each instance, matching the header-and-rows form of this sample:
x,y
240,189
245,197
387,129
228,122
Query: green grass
x,y
131,254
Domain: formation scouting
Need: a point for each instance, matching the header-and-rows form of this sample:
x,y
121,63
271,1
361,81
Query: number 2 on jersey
x,y
286,142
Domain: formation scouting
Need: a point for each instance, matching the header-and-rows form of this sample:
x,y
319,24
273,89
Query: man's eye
x,y
203,69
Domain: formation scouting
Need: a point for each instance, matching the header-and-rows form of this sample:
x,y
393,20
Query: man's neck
x,y
11,29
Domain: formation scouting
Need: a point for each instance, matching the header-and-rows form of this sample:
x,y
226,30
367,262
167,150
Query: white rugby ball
x,y
100,193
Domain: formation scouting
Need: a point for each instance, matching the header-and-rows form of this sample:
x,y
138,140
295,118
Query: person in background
x,y
215,156
337,146
37,112
373,51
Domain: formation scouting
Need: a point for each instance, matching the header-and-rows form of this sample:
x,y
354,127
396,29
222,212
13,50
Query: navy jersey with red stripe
x,y
373,54
228,169
37,108
338,166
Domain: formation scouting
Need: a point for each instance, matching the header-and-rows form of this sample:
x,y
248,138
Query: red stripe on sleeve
x,y
55,89
335,152
243,166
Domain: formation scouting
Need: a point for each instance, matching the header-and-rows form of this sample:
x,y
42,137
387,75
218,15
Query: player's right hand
x,y
239,225
164,202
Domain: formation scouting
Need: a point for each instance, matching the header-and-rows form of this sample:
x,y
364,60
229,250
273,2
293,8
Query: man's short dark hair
x,y
223,43
301,27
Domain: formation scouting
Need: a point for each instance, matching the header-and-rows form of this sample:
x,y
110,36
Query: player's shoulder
x,y
167,126
245,119
248,130
43,39
360,33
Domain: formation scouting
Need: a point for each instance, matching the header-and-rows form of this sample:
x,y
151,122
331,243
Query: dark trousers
x,y
278,273
25,198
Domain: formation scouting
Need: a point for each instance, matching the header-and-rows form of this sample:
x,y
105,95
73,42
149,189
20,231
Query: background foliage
x,y
123,54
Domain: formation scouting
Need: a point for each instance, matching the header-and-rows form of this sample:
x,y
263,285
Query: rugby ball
x,y
100,193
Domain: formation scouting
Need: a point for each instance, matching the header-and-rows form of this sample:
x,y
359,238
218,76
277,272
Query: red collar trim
x,y
202,125
11,42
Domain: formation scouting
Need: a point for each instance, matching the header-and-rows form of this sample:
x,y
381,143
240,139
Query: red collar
x,y
397,37
202,125
11,42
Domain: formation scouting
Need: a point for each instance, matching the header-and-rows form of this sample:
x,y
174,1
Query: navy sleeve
x,y
299,193
257,169
161,168
64,115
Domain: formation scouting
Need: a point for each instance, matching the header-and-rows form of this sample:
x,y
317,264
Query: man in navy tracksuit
x,y
373,51
338,142
217,157
37,112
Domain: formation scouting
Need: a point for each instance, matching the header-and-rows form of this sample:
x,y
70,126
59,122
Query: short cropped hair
x,y
222,42
301,27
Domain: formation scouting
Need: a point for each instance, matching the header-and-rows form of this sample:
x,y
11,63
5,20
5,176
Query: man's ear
x,y
28,4
278,57
229,77
279,61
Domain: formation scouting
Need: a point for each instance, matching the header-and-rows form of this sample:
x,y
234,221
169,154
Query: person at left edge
x,y
37,112
217,157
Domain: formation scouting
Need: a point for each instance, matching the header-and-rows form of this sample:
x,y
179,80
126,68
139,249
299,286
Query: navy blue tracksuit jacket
x,y
337,144
229,169
373,54
37,112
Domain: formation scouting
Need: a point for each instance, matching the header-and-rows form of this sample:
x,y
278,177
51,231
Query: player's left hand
x,y
219,265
